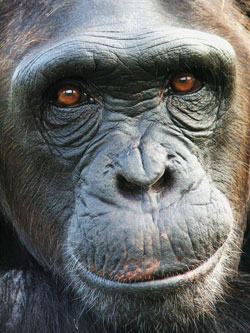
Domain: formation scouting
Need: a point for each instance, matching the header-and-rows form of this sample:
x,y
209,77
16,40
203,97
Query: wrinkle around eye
x,y
69,135
69,143
195,102
57,117
196,112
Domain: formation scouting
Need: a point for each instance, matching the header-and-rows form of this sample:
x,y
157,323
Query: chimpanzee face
x,y
121,130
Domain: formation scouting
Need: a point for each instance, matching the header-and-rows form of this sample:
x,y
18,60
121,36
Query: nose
x,y
142,165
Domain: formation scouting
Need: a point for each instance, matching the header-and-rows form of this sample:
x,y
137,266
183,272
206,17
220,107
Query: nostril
x,y
162,184
127,187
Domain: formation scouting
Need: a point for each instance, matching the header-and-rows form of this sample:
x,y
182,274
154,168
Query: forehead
x,y
68,16
39,23
122,15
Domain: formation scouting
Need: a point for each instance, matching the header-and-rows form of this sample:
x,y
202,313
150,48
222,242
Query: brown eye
x,y
185,83
68,96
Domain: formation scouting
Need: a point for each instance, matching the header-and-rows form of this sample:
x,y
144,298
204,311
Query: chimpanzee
x,y
124,166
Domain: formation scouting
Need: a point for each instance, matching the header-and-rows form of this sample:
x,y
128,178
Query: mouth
x,y
155,285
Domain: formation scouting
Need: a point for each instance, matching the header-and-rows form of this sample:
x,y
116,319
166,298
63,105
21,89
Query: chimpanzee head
x,y
125,158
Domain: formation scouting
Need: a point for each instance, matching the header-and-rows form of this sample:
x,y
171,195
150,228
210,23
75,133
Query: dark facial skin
x,y
128,195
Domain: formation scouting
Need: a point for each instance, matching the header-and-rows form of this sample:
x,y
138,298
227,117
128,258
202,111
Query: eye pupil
x,y
184,80
69,92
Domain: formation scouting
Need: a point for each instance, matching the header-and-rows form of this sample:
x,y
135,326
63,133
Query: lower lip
x,y
154,285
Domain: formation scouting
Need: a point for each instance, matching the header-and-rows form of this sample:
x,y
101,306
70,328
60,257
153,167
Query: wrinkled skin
x,y
135,198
